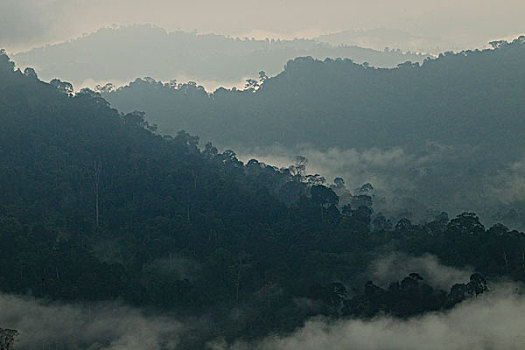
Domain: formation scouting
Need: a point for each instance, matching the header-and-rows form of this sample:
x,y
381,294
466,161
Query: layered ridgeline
x,y
124,53
95,206
380,38
470,98
444,134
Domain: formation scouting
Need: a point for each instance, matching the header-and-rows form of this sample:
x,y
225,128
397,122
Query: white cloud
x,y
509,185
101,326
492,321
396,266
27,22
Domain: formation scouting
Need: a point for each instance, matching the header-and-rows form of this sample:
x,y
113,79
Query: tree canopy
x,y
95,205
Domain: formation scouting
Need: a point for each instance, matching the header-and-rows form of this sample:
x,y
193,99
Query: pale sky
x,y
28,23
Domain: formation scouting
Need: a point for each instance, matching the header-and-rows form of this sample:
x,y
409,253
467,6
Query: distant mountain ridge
x,y
458,121
124,53
97,208
339,103
380,38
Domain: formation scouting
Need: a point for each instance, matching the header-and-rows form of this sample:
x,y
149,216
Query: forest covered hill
x,y
97,206
124,53
446,134
471,98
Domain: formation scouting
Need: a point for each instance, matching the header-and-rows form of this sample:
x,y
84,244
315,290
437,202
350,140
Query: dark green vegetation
x,y
458,119
124,53
469,99
409,297
96,206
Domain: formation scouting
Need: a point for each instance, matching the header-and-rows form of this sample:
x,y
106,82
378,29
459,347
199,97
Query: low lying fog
x,y
438,178
492,320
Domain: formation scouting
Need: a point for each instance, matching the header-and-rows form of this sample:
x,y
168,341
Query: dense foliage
x,y
471,98
95,206
454,124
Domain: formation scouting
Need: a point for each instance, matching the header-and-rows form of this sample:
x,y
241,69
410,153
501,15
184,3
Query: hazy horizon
x,y
26,24
267,175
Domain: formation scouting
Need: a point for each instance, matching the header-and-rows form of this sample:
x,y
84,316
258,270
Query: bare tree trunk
x,y
195,177
238,281
7,338
97,209
97,168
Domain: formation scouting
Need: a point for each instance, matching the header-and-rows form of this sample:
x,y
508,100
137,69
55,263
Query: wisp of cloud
x,y
492,321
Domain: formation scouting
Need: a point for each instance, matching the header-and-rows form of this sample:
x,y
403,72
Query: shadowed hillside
x,y
97,207
449,128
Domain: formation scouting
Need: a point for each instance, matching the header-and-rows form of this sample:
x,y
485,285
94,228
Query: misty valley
x,y
368,203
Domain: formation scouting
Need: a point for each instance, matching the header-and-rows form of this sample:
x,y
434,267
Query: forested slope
x,y
96,206
472,98
446,134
